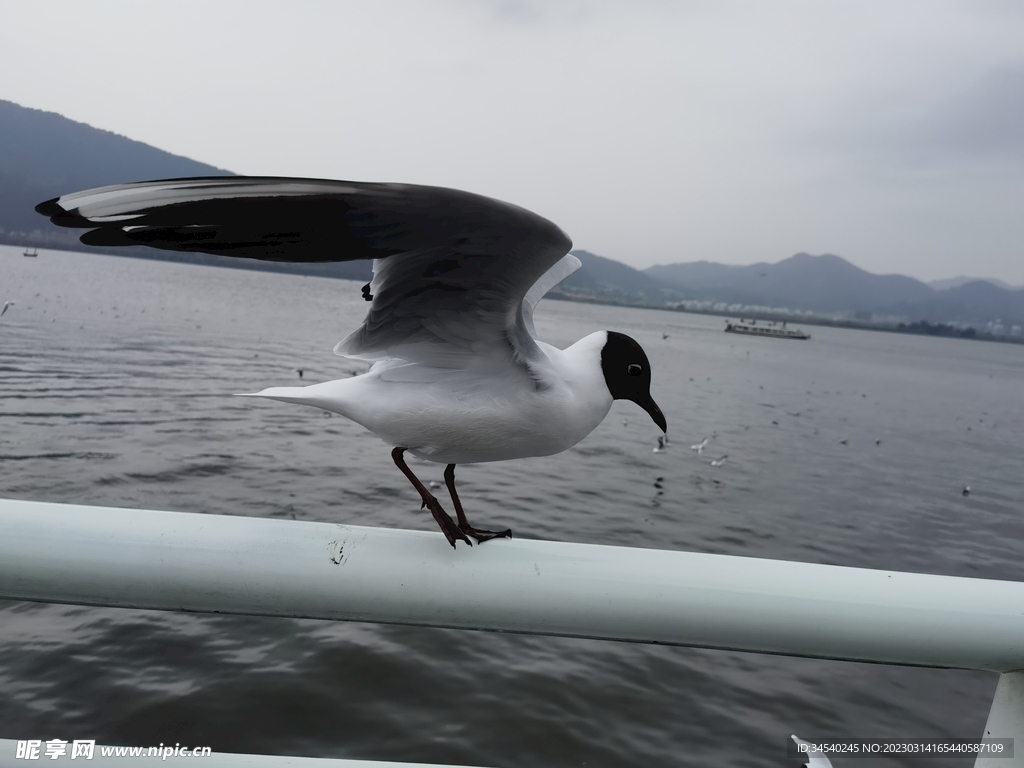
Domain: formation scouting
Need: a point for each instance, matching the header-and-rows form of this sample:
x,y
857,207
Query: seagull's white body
x,y
459,416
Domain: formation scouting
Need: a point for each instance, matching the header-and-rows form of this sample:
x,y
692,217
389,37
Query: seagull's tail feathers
x,y
329,395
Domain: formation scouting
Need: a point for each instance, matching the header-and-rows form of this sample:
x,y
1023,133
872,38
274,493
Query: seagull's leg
x,y
448,527
464,526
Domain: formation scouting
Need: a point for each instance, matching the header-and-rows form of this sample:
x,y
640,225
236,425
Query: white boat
x,y
767,328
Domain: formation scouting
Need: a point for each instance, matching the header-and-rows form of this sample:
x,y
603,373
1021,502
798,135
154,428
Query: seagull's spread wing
x,y
561,270
452,270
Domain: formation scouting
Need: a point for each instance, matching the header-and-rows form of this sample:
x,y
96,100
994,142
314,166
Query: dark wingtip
x,y
106,236
50,207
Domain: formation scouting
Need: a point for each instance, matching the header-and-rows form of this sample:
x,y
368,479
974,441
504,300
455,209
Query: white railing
x,y
175,561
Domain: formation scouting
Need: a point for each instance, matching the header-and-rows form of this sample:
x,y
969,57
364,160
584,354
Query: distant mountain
x,y
956,282
828,284
979,302
43,155
610,280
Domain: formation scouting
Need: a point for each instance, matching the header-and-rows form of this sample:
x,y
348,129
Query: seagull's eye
x,y
634,369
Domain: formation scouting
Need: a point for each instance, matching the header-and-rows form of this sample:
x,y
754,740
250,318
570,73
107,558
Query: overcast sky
x,y
890,133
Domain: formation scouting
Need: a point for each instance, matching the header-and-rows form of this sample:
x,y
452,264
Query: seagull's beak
x,y
648,404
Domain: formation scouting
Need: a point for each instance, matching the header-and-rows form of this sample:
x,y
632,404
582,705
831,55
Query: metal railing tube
x,y
68,553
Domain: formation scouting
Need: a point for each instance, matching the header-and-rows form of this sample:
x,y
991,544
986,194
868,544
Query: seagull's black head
x,y
627,372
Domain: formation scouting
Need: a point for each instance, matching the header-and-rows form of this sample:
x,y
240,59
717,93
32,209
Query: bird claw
x,y
482,536
451,531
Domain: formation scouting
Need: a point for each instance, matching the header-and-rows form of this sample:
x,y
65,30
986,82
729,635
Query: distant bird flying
x,y
6,305
458,374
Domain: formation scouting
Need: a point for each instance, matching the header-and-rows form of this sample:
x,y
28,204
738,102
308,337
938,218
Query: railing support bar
x,y
1006,721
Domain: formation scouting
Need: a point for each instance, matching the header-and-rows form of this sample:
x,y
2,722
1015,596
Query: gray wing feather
x,y
451,268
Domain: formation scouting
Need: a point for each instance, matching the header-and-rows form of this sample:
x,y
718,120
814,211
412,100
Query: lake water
x,y
116,377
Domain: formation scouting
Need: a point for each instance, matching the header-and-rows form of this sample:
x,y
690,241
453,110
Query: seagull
x,y
699,447
719,461
967,490
457,372
6,305
662,444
